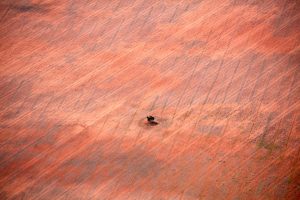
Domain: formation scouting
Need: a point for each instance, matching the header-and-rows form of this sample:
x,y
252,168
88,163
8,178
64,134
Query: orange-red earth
x,y
79,77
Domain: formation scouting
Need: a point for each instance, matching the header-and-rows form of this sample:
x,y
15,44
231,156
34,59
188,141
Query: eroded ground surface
x,y
79,77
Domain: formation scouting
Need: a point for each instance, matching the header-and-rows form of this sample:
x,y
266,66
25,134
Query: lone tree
x,y
150,118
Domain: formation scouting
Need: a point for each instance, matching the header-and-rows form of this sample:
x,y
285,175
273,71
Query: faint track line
x,y
243,83
116,33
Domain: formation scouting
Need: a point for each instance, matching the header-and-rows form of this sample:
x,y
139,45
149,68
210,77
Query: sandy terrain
x,y
79,77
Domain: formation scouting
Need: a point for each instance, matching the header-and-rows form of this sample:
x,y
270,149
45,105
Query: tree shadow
x,y
152,123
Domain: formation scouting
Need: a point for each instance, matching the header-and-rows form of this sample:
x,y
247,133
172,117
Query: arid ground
x,y
79,77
